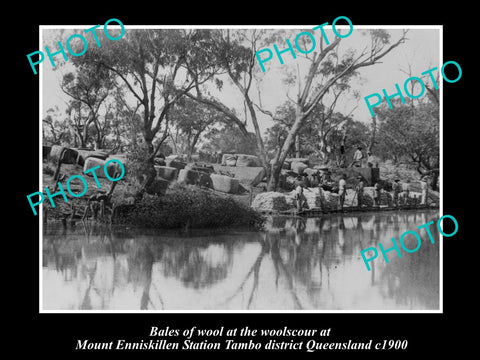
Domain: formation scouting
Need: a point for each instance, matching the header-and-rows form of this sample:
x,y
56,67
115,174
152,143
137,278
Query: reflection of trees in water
x,y
269,246
140,263
415,276
64,256
198,264
302,253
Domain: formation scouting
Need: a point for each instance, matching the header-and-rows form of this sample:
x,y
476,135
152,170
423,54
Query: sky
x,y
421,51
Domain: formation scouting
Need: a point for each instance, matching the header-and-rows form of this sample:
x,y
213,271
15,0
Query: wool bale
x,y
306,161
187,176
298,167
248,160
206,168
82,156
270,201
166,172
314,197
98,154
175,163
331,200
224,183
158,186
113,167
193,177
369,195
69,157
91,162
251,176
205,180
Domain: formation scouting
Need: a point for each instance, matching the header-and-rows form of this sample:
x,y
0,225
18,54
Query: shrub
x,y
188,206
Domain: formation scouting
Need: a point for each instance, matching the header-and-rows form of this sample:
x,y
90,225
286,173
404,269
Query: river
x,y
294,264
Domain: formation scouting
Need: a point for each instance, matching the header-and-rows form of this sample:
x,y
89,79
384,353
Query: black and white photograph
x,y
241,168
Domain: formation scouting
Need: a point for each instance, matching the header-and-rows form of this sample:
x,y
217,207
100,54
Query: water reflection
x,y
295,264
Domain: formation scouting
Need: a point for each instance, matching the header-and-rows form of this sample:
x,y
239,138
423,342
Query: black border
x,y
428,334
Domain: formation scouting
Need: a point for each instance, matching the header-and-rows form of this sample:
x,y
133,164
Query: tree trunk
x,y
274,177
279,160
149,169
297,146
322,147
372,137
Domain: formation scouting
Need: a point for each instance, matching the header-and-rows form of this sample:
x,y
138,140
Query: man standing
x,y
299,196
424,187
359,189
396,190
342,188
357,157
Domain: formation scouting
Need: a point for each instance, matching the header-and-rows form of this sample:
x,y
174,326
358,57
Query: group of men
x,y
359,158
400,191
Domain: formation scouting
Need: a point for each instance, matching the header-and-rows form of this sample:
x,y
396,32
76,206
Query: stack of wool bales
x,y
224,183
331,200
351,198
194,177
206,168
312,195
248,160
270,201
69,157
91,162
173,162
369,194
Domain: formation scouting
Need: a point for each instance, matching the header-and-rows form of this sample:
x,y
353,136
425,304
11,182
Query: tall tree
x,y
237,61
151,64
326,68
89,88
412,135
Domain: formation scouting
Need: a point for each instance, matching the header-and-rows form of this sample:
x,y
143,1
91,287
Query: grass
x,y
186,206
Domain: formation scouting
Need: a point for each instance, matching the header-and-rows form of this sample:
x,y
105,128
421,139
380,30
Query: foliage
x,y
89,87
230,138
191,119
55,129
188,206
317,128
410,133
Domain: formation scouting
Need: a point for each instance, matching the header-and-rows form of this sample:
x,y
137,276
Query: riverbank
x,y
183,206
180,207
